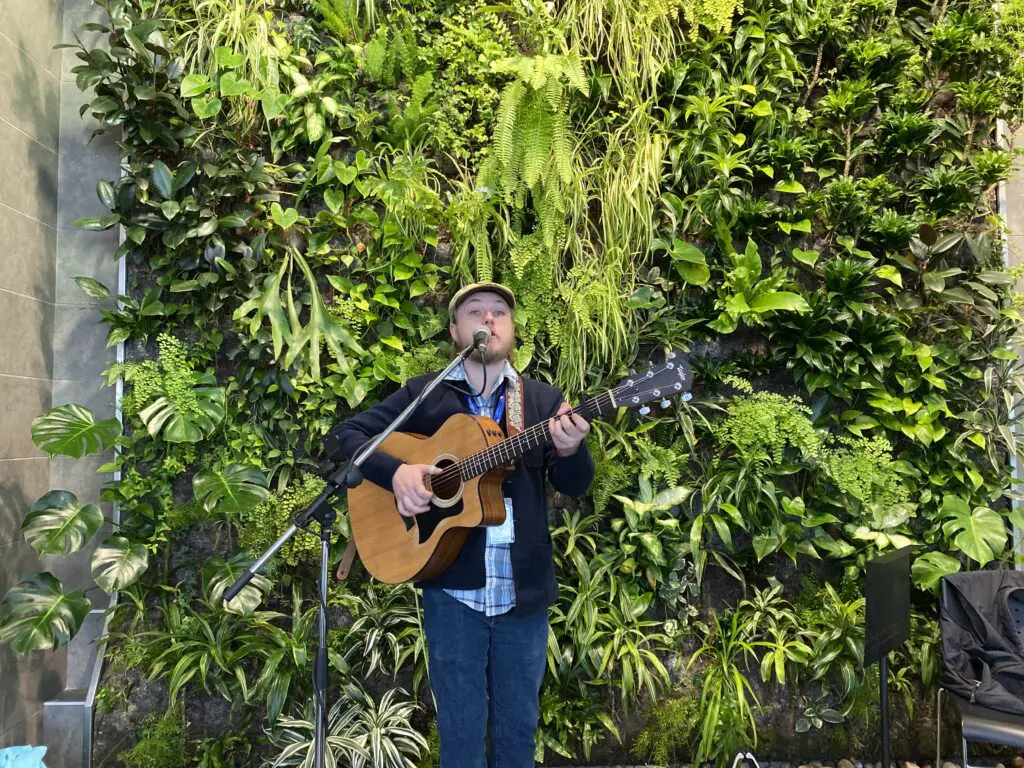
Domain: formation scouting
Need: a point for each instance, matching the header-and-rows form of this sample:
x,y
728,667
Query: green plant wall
x,y
800,195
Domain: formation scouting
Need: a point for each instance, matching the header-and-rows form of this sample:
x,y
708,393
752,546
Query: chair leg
x,y
964,740
938,729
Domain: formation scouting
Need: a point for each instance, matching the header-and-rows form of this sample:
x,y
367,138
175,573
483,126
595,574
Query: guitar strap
x,y
514,424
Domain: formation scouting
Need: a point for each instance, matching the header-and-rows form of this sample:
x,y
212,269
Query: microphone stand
x,y
343,477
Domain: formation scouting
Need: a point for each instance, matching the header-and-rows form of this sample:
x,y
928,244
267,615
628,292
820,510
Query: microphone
x,y
481,336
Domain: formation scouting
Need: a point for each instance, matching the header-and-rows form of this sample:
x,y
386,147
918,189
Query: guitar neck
x,y
511,448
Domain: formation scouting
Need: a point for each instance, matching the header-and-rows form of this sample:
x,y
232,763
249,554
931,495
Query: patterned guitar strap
x,y
514,408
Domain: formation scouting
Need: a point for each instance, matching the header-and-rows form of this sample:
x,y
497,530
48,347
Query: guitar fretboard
x,y
512,448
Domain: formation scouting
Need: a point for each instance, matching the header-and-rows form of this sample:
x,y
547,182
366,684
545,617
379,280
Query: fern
x,y
533,154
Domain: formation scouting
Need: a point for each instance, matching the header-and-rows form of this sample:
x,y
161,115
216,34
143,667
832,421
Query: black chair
x,y
977,723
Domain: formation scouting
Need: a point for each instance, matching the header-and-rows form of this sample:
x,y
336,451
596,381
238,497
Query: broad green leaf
x,y
219,575
890,273
71,430
105,192
334,198
809,258
779,301
58,525
170,208
932,566
94,289
206,107
118,563
36,615
176,424
194,85
163,179
228,59
232,85
283,218
790,185
236,488
979,533
97,223
761,109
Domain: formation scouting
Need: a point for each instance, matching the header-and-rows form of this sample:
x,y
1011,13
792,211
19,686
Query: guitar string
x,y
477,462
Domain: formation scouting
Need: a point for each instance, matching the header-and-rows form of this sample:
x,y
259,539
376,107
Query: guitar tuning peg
x,y
645,410
687,397
664,403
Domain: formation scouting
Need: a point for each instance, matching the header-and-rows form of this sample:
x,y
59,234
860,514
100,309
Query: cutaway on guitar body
x,y
395,548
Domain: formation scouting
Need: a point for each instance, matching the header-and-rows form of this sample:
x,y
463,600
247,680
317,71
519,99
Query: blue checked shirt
x,y
498,594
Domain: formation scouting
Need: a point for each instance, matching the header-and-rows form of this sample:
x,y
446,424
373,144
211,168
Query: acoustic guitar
x,y
474,456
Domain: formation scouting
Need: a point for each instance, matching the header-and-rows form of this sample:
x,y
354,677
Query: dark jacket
x,y
532,564
982,621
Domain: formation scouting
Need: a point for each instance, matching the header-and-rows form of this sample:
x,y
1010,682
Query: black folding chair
x,y
977,723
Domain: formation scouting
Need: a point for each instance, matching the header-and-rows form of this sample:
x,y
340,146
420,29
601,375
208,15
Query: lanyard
x,y
499,410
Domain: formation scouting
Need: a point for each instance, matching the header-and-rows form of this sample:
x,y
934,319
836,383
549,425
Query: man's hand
x,y
410,491
567,431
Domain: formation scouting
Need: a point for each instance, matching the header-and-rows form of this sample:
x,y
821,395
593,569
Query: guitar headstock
x,y
661,381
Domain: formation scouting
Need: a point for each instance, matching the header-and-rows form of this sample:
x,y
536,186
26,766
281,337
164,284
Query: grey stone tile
x,y
25,732
26,348
73,34
80,336
76,130
64,734
93,394
34,26
30,269
29,181
82,650
29,94
84,254
21,401
80,477
22,483
78,175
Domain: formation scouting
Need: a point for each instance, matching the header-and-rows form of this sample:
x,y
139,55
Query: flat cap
x,y
466,291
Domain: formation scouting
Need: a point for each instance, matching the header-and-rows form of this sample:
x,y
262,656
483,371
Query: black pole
x,y
883,689
320,678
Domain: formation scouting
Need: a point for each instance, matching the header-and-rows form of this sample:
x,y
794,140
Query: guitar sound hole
x,y
447,485
446,488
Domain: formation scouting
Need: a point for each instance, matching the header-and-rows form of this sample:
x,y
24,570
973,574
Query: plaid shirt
x,y
498,594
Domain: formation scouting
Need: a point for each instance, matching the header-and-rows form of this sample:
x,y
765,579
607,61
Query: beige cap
x,y
465,292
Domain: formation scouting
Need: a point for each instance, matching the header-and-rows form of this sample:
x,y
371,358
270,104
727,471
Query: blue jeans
x,y
484,668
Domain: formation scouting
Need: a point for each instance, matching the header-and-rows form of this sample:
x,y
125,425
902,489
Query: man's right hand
x,y
410,490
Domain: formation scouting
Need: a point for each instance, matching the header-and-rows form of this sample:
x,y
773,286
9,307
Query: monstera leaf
x,y
220,574
71,430
58,525
932,566
979,533
36,615
186,424
118,563
236,488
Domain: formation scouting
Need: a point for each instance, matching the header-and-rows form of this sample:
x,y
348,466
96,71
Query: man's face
x,y
490,310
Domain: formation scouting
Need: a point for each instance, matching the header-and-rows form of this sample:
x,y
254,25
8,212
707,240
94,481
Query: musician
x,y
485,617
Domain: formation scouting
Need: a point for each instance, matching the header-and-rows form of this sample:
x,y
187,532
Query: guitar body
x,y
395,548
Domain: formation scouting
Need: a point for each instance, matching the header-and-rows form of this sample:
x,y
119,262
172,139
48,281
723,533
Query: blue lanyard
x,y
499,410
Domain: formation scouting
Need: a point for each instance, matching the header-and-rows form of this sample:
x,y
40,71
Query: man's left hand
x,y
567,430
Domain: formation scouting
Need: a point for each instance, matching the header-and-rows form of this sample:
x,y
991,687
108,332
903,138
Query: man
x,y
485,617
